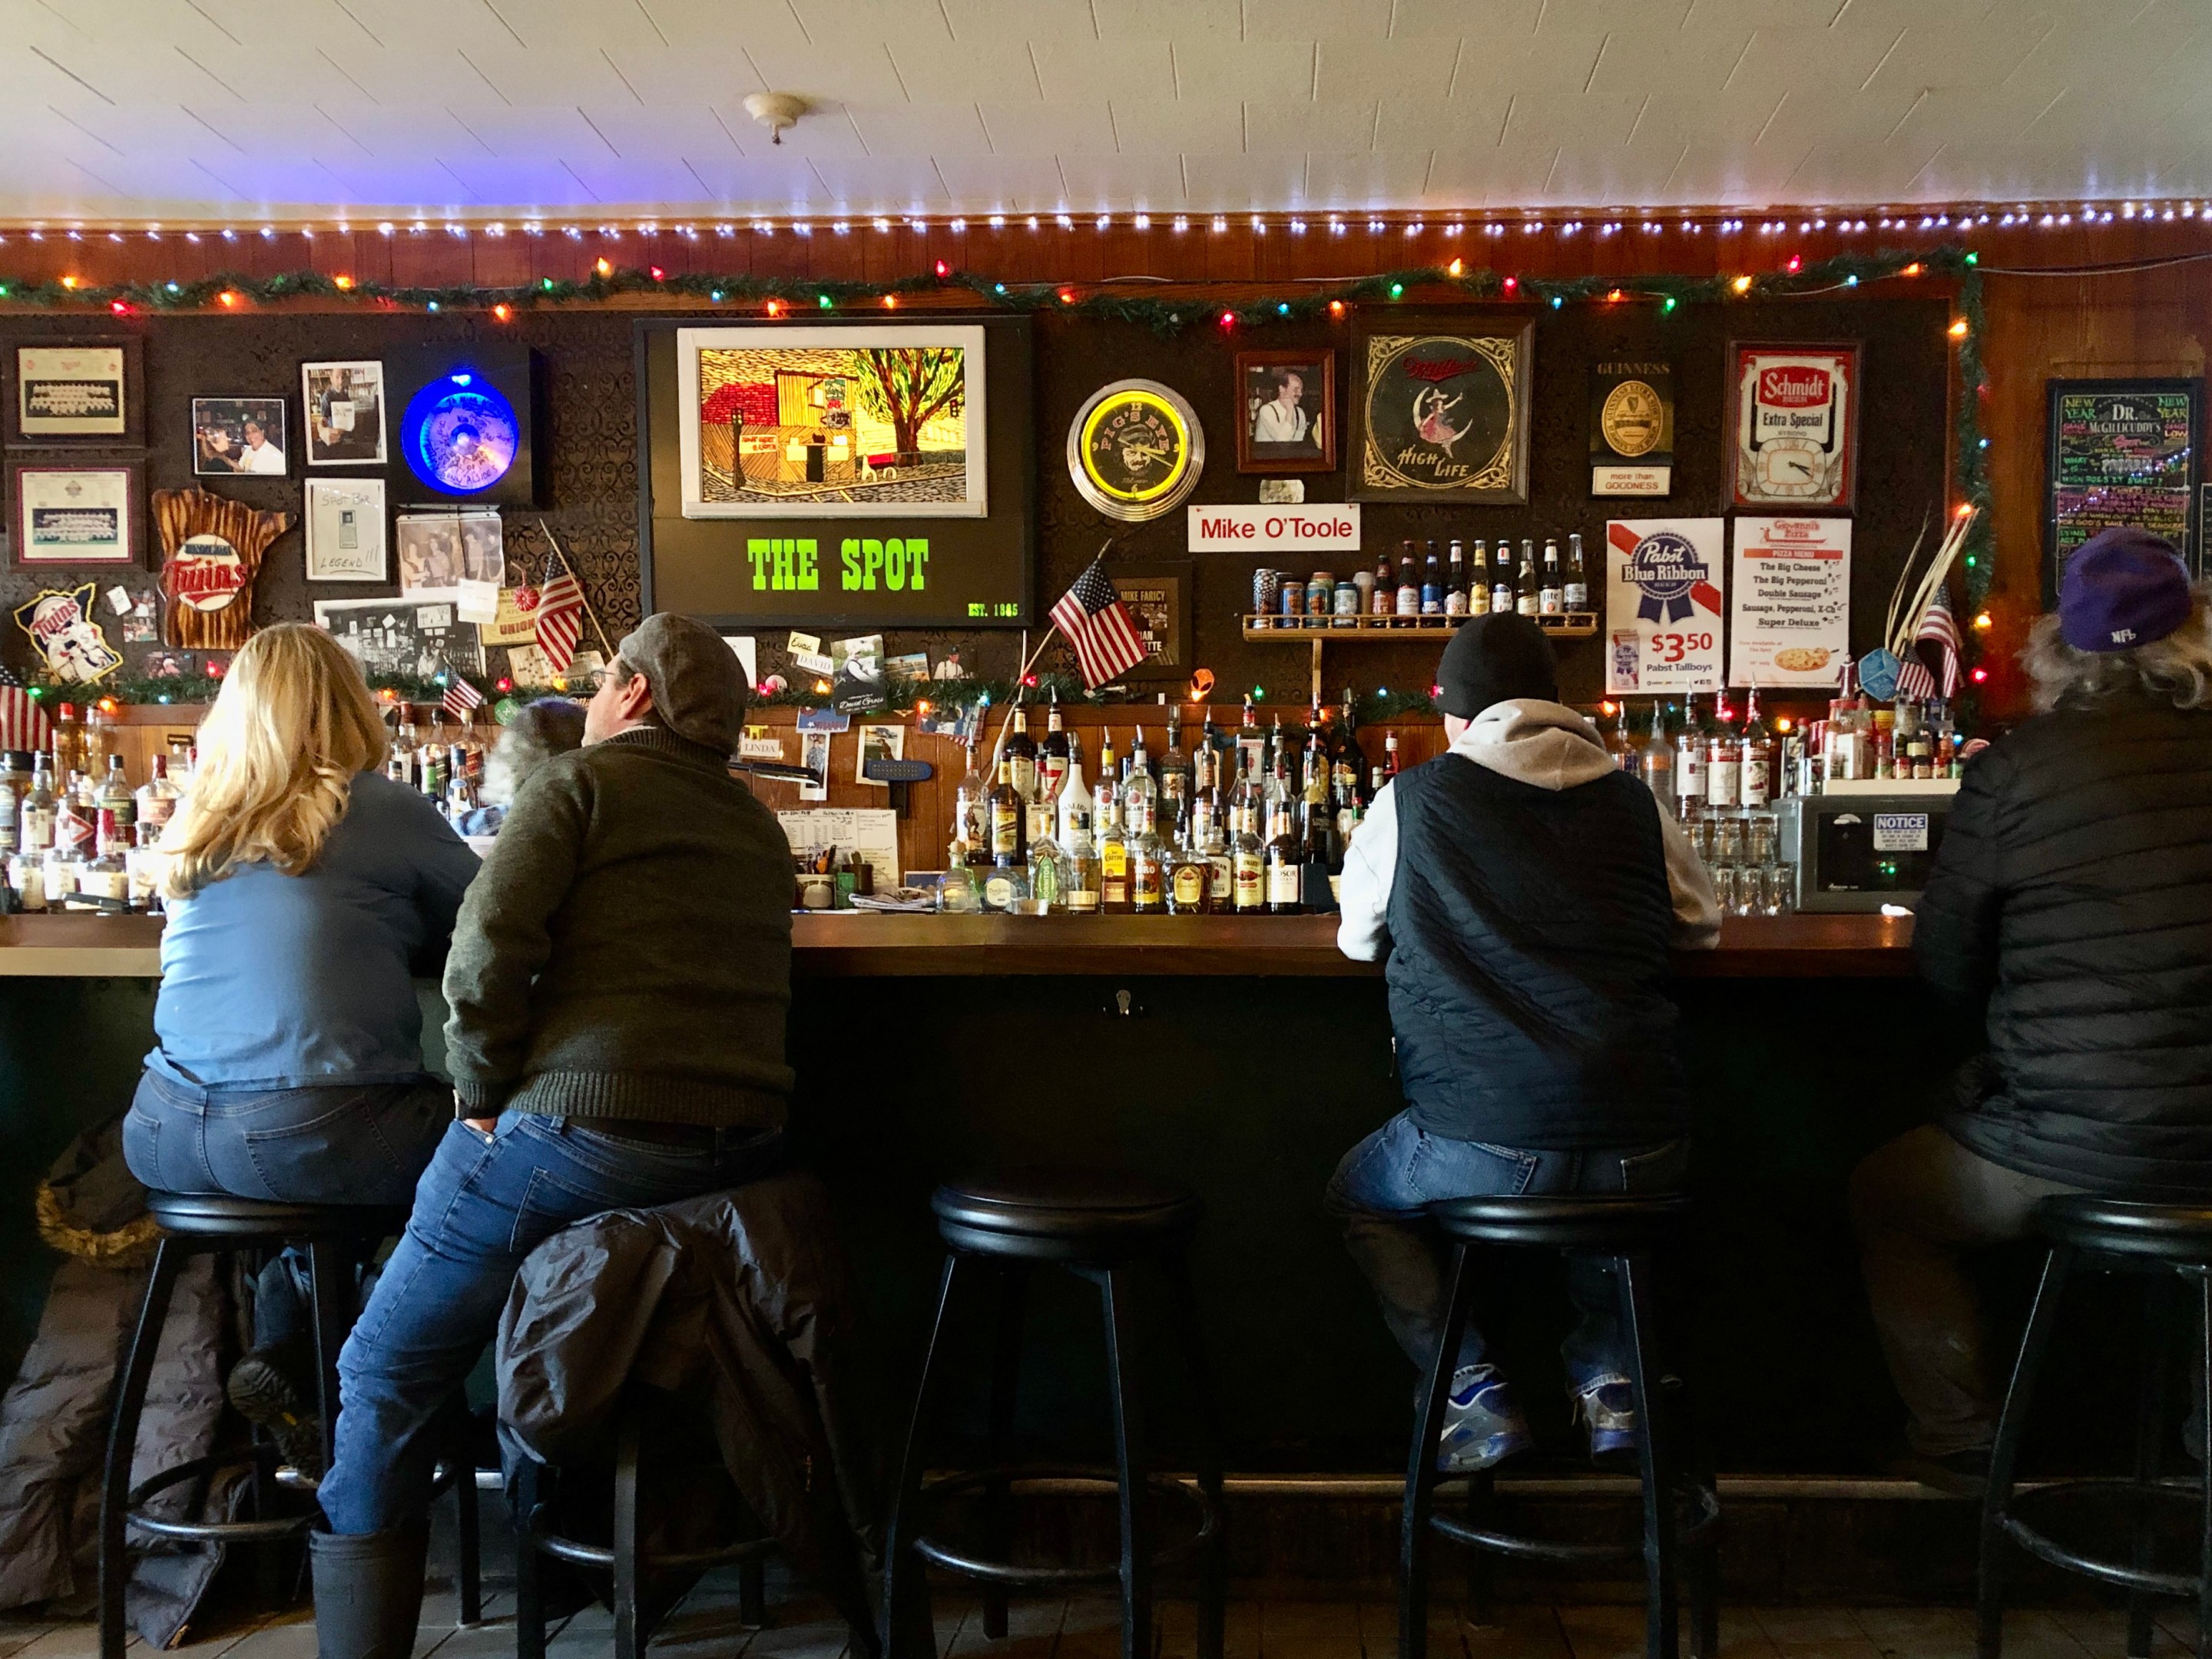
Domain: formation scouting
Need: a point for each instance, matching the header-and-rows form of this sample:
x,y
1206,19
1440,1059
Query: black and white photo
x,y
402,637
439,551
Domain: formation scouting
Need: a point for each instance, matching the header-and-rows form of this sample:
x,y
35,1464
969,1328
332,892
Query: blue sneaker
x,y
1482,1426
1608,1405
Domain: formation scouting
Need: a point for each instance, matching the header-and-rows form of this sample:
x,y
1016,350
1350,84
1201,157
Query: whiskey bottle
x,y
1285,862
1248,862
1113,854
1052,758
1021,754
1478,590
971,807
1456,582
104,875
1577,587
72,747
1550,598
1527,597
1190,879
35,824
1009,819
115,797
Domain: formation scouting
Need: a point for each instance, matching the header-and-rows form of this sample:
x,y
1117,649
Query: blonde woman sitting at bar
x,y
306,890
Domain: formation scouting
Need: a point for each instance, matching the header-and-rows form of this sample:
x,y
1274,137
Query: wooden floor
x,y
707,1627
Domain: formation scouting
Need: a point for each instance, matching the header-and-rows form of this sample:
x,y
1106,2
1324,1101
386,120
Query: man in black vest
x,y
1526,895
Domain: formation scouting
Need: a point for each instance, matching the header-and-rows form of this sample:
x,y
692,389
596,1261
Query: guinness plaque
x,y
1631,437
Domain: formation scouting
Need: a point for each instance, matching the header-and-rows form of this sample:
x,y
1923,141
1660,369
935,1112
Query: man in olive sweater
x,y
618,979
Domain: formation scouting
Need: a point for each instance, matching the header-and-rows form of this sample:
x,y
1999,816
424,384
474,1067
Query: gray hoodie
x,y
1550,746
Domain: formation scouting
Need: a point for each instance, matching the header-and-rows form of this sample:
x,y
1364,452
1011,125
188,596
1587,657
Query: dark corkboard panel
x,y
589,454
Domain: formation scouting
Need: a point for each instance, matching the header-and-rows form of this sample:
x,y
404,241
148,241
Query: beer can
x,y
1347,604
1267,587
1292,608
1321,594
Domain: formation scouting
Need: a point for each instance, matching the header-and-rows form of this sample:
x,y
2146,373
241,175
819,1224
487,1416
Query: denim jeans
x,y
484,1204
321,1143
1381,1190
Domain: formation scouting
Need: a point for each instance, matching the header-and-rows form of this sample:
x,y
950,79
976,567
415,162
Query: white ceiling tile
x,y
1493,177
861,73
1174,125
570,74
1037,129
1283,125
374,75
666,75
1408,72
1678,60
1526,68
708,25
1032,20
640,183
663,135
1232,184
1150,183
922,129
1211,68
833,24
1180,20
1960,54
892,185
781,181
946,68
1496,24
1368,180
1317,20
1005,184
1124,69
402,132
516,134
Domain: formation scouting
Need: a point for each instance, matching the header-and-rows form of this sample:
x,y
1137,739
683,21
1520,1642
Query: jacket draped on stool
x,y
739,1304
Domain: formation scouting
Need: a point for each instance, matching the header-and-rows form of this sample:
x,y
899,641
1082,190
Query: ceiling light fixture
x,y
776,110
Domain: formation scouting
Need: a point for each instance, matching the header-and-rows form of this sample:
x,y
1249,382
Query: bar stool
x,y
1627,1230
1098,1227
2165,1244
336,1237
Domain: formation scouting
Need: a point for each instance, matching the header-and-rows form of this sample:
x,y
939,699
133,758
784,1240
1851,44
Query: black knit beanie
x,y
1496,658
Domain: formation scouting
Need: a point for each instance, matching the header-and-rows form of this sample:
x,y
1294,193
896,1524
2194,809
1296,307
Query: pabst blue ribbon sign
x,y
1664,605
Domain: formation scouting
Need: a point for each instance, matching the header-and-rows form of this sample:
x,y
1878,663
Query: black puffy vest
x,y
2071,905
1529,930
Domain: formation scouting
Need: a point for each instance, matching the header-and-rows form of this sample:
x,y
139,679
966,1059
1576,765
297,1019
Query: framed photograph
x,y
439,551
345,531
74,516
1794,413
87,392
1158,601
403,636
344,405
1440,409
877,422
239,434
2121,451
1286,411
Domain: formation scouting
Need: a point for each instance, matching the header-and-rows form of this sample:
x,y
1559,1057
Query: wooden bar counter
x,y
859,944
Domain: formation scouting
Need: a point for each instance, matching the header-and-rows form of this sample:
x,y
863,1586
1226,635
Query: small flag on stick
x,y
559,620
461,696
1092,618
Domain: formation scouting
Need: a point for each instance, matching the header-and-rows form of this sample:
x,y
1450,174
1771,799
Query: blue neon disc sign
x,y
459,433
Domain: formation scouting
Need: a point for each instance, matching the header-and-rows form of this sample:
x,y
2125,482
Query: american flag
x,y
461,696
1097,623
23,724
560,620
1913,677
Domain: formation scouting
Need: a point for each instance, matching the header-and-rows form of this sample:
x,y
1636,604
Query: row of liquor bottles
x,y
82,844
1226,826
1451,585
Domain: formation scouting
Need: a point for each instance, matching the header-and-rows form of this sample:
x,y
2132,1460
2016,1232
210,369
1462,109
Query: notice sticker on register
x,y
1900,832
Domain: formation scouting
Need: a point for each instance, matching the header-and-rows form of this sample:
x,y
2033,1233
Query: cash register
x,y
1861,845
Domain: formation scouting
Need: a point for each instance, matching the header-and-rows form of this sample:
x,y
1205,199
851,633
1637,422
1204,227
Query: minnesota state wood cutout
x,y
211,551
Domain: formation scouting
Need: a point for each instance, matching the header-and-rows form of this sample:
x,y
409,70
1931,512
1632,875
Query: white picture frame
x,y
840,445
348,538
343,413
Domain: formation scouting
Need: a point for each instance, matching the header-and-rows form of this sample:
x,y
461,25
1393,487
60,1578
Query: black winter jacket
x,y
2070,911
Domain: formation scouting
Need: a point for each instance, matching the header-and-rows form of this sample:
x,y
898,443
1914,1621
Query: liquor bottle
x,y
1390,762
1113,847
1527,597
1174,772
1322,854
1221,891
1314,766
1148,868
1141,796
71,749
73,818
141,867
1432,584
1724,766
1478,590
1456,582
1276,790
104,875
115,797
1004,884
1049,872
1203,820
1249,740
1550,597
1690,767
1409,590
1577,587
1385,601
1284,861
1756,780
971,808
1618,743
1248,862
1079,888
1189,878
11,815
1345,763
66,856
1009,841
1655,761
1052,758
34,824
960,888
101,740
1021,754
1501,580
1074,798
26,880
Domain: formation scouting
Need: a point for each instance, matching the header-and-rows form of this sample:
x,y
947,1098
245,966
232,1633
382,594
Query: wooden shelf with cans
x,y
1427,594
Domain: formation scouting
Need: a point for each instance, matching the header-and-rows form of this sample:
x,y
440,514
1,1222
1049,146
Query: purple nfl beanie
x,y
2124,587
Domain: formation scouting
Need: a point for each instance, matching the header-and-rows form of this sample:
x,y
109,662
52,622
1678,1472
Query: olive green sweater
x,y
625,951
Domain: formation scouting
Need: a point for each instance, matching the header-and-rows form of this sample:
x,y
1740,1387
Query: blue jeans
x,y
1379,1195
484,1204
321,1144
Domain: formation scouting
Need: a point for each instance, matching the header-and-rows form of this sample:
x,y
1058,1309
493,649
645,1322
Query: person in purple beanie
x,y
2068,922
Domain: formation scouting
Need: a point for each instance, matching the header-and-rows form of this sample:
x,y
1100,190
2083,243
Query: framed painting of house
x,y
835,422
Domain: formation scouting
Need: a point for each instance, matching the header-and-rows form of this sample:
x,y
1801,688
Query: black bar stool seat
x,y
2170,1245
1097,1226
335,1237
1627,1229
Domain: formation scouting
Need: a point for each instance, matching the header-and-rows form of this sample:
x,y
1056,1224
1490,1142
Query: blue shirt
x,y
271,981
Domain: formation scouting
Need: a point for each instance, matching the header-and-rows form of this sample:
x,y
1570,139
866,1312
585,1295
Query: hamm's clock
x,y
1135,450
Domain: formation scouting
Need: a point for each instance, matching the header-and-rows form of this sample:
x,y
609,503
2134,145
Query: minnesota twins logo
x,y
1666,569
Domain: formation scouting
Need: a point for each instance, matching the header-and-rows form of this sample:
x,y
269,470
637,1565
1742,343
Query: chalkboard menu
x,y
2121,453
